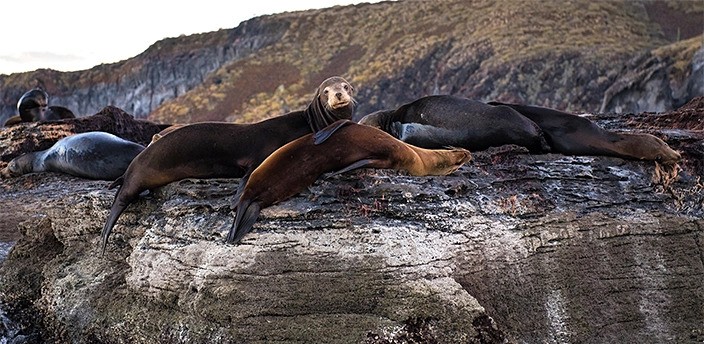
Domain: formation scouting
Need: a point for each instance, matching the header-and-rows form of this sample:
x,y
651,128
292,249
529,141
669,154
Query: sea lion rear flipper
x,y
326,132
240,187
247,214
354,165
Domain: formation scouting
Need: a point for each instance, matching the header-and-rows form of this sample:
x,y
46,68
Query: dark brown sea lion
x,y
295,166
93,155
443,120
33,107
574,135
225,150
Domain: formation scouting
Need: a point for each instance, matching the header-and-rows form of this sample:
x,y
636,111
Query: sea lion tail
x,y
247,214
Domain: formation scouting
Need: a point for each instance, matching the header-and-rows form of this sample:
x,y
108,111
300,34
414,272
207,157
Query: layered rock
x,y
511,248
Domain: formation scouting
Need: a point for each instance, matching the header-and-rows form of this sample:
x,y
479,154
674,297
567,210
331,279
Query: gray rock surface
x,y
511,248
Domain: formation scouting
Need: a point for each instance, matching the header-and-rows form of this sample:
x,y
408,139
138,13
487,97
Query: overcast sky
x,y
74,35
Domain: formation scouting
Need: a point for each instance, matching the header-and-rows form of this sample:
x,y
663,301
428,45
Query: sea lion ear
x,y
325,133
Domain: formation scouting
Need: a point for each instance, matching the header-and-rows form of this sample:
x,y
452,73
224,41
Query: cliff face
x,y
165,71
511,248
394,52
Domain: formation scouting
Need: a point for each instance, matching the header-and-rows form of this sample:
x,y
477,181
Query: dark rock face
x,y
650,82
511,248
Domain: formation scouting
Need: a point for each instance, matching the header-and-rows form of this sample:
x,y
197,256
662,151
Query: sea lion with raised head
x,y
341,147
444,120
93,155
225,150
33,107
575,135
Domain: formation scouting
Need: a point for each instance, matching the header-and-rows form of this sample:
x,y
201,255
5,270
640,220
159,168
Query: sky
x,y
75,35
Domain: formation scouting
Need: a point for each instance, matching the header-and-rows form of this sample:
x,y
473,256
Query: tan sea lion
x,y
574,135
295,166
225,150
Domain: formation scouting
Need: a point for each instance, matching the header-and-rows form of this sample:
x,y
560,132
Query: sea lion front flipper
x,y
247,214
326,132
353,166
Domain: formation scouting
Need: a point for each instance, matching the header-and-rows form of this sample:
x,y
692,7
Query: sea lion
x,y
93,155
33,107
225,150
165,131
295,166
574,135
444,120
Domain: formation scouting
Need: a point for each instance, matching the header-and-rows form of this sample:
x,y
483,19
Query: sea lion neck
x,y
319,116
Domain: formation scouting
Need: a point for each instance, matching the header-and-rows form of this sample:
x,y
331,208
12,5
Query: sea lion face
x,y
450,161
32,105
335,93
649,147
18,166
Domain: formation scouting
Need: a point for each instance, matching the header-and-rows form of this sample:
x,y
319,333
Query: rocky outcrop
x,y
511,248
658,81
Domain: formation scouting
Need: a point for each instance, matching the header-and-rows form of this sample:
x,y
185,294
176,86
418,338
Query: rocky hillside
x,y
577,55
512,248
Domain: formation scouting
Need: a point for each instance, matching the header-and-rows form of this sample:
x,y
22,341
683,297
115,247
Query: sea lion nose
x,y
338,95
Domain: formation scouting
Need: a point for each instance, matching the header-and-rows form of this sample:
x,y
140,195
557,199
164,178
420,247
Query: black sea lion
x,y
574,135
94,155
295,166
443,120
225,150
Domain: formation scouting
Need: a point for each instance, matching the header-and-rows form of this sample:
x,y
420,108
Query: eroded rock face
x,y
513,247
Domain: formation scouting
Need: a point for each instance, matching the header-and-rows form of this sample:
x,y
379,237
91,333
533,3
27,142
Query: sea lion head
x,y
438,162
20,165
374,119
649,147
32,105
334,100
451,160
335,93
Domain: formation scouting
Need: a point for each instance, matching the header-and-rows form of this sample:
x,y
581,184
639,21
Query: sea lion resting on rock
x,y
574,135
32,107
444,120
93,155
295,166
225,150
437,121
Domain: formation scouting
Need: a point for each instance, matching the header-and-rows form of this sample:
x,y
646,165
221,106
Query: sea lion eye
x,y
325,91
346,87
